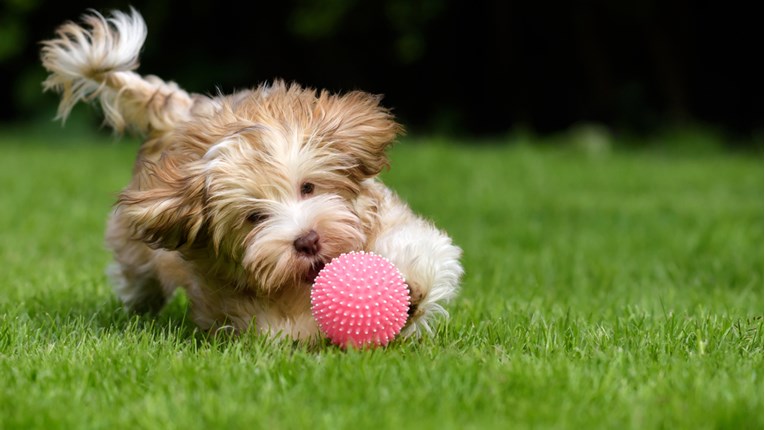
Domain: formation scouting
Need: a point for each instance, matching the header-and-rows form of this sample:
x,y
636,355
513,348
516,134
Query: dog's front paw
x,y
415,298
431,268
432,283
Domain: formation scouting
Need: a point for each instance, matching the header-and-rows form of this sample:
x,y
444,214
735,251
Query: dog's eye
x,y
256,217
306,188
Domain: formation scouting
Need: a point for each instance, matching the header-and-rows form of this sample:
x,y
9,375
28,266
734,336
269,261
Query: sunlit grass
x,y
613,290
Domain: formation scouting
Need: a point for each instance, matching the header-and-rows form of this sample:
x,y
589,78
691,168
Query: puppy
x,y
241,199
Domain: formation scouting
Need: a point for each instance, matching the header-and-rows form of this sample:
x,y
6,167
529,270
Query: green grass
x,y
615,289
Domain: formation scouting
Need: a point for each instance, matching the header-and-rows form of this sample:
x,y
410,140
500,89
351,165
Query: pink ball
x,y
360,299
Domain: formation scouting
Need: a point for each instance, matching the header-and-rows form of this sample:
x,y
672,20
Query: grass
x,y
617,289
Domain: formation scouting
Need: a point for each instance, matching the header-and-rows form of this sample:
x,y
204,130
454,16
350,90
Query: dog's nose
x,y
308,243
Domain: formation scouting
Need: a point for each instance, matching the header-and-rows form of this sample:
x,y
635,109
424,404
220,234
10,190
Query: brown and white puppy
x,y
241,199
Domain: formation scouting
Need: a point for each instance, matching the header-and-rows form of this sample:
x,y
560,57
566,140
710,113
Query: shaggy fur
x,y
241,199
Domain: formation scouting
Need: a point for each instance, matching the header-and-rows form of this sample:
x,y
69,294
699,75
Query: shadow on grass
x,y
94,317
47,320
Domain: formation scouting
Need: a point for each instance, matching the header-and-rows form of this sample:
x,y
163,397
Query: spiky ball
x,y
360,299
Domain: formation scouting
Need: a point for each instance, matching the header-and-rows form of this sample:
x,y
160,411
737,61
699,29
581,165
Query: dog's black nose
x,y
308,243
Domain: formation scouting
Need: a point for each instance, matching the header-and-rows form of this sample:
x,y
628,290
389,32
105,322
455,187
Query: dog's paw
x,y
431,268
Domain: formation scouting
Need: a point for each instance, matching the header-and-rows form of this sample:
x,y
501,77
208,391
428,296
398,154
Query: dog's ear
x,y
165,207
361,128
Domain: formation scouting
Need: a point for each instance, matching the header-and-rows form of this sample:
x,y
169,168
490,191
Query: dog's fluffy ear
x,y
166,209
361,128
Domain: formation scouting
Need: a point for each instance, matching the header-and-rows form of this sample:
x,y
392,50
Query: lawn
x,y
603,289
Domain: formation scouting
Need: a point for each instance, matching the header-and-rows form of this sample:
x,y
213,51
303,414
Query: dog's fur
x,y
241,199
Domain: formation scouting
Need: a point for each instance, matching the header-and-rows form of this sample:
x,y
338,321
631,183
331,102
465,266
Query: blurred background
x,y
478,69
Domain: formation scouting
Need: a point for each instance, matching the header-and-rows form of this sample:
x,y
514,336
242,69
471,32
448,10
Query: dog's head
x,y
265,186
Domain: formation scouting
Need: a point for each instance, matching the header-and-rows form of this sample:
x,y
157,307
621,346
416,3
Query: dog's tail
x,y
96,60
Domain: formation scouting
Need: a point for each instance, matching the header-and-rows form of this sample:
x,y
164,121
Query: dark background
x,y
477,68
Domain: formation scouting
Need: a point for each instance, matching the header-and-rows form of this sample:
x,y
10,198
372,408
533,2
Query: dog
x,y
241,199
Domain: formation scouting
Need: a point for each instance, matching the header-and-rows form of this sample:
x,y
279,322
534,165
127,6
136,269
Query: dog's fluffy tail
x,y
96,60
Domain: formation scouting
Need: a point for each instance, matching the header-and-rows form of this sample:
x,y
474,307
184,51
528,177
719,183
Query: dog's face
x,y
264,189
